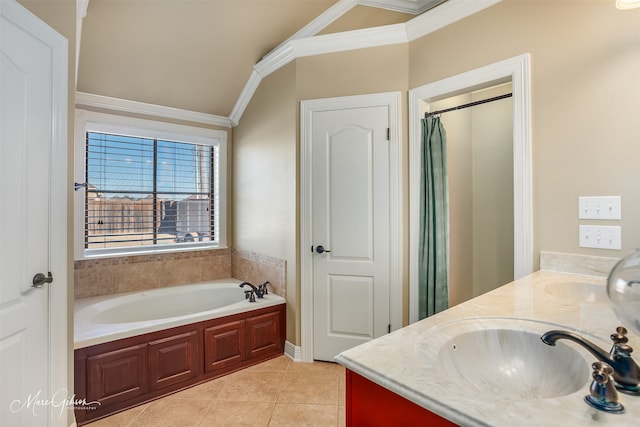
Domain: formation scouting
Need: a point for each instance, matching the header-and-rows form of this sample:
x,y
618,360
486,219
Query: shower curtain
x,y
433,276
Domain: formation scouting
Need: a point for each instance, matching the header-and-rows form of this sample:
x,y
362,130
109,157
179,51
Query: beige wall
x,y
493,237
585,58
265,170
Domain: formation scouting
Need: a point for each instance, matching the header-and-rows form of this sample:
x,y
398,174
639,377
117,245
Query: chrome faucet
x,y
626,372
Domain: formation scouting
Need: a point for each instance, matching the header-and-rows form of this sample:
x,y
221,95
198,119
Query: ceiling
x,y
198,55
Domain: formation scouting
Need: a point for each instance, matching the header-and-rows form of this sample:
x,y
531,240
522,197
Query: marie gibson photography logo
x,y
58,402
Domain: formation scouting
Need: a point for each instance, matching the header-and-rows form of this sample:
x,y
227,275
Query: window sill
x,y
169,249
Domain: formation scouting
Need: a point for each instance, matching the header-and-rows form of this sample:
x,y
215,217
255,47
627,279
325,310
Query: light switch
x,y
601,207
601,236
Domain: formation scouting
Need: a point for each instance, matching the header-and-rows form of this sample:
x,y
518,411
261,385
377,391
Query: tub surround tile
x,y
106,276
258,268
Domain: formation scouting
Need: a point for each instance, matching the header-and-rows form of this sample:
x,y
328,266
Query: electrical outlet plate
x,y
601,236
600,207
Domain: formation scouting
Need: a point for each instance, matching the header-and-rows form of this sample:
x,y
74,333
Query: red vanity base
x,y
370,405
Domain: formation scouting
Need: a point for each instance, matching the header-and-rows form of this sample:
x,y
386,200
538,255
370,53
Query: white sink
x,y
579,291
505,358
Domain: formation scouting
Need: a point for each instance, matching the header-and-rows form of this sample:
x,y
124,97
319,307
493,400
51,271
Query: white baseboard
x,y
293,352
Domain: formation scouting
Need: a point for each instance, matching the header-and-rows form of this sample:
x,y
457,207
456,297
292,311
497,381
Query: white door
x,y
350,228
28,137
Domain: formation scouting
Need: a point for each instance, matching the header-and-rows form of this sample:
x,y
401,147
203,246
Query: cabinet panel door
x,y
174,359
117,375
264,334
224,345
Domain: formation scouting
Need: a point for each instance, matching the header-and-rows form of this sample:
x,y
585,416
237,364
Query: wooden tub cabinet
x,y
121,374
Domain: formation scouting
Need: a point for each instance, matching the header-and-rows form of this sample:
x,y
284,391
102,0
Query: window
x,y
149,188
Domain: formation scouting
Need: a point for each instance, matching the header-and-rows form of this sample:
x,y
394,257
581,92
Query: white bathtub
x,y
111,317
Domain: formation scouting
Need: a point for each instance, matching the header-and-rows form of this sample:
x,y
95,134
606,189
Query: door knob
x,y
40,279
320,249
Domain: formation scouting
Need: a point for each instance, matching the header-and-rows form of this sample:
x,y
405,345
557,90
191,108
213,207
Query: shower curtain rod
x,y
471,104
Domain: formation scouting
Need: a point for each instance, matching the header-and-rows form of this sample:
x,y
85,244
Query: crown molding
x,y
245,97
443,15
124,105
435,19
350,40
414,7
318,45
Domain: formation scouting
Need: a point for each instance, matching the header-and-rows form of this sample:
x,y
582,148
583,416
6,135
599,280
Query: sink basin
x,y
579,291
505,358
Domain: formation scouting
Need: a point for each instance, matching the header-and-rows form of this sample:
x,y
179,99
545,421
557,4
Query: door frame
x,y
307,109
58,342
517,70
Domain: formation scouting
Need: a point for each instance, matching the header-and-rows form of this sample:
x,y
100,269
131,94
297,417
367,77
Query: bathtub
x,y
111,317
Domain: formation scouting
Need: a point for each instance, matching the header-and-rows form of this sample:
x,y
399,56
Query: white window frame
x,y
91,121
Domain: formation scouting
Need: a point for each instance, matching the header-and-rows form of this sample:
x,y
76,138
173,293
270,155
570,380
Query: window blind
x,y
143,191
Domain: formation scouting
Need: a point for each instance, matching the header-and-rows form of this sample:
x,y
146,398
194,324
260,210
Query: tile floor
x,y
278,392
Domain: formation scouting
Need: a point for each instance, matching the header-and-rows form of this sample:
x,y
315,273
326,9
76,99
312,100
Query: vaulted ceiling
x,y
197,55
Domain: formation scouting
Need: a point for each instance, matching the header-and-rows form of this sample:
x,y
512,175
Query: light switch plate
x,y
601,236
600,207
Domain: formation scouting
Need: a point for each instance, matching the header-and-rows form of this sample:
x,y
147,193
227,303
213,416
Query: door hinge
x,y
389,328
388,134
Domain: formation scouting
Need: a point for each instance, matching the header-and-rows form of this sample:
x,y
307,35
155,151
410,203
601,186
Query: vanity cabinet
x,y
369,404
120,374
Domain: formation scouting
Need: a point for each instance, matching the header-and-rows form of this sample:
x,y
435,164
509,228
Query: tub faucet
x,y
263,288
626,372
256,291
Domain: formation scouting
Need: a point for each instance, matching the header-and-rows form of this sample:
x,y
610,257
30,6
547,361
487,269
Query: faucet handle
x,y
264,288
250,295
620,340
620,336
602,393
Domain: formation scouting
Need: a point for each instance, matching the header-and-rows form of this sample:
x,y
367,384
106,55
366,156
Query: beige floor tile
x,y
278,392
172,413
281,363
325,367
342,416
285,414
223,414
121,419
252,386
206,391
313,387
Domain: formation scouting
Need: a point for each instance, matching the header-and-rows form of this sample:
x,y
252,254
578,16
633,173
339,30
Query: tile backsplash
x,y
133,273
576,263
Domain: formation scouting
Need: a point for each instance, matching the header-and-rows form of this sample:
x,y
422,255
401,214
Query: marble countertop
x,y
404,361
